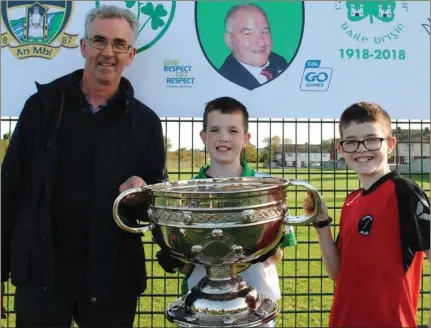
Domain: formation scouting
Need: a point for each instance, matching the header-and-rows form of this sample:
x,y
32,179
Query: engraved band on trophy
x,y
219,223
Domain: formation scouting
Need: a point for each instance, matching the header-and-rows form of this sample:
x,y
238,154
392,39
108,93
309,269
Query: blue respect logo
x,y
315,78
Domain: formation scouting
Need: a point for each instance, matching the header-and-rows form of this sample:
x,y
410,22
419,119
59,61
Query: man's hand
x,y
309,205
132,182
3,311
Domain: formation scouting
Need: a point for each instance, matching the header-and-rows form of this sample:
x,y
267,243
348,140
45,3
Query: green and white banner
x,y
282,59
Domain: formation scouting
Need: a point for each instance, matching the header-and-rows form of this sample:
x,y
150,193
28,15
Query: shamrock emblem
x,y
154,14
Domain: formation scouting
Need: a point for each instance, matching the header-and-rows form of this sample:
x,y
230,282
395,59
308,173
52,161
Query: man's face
x,y
250,38
107,66
225,137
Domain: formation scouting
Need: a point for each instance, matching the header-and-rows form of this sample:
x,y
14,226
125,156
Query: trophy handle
x,y
304,218
121,221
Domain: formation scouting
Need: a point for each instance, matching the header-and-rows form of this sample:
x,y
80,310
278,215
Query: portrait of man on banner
x,y
249,44
251,62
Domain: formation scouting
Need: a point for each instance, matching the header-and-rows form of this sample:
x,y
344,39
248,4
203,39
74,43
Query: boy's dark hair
x,y
365,112
226,105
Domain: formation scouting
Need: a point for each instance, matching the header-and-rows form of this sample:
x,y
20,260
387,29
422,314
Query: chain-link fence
x,y
300,149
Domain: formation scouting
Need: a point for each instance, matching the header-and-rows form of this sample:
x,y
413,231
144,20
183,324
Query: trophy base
x,y
231,303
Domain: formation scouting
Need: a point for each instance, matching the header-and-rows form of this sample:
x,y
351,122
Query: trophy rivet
x,y
237,249
228,321
217,233
187,218
197,249
247,216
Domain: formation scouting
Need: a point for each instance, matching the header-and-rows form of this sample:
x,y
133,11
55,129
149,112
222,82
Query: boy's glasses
x,y
371,144
101,43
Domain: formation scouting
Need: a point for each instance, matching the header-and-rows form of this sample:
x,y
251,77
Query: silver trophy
x,y
222,224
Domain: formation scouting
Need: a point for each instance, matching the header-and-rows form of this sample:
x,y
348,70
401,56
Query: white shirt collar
x,y
255,71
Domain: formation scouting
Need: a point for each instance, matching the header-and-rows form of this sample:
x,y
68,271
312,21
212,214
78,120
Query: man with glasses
x,y
384,232
80,141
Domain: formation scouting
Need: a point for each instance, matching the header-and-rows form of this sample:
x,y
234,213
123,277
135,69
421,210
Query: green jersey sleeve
x,y
289,237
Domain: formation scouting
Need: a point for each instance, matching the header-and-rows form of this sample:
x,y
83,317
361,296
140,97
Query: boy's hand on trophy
x,y
309,207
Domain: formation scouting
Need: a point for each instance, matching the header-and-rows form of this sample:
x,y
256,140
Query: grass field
x,y
307,292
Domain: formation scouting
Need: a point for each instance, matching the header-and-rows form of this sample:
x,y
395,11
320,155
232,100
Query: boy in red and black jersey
x,y
376,261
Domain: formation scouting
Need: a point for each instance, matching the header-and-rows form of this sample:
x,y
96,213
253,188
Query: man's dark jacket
x,y
238,74
133,146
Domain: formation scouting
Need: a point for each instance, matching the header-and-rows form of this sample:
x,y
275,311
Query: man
x,y
248,36
80,141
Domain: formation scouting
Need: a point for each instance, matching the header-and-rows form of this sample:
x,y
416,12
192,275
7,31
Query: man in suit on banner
x,y
248,36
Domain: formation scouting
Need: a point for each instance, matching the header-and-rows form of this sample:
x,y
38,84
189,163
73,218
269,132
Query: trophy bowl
x,y
222,224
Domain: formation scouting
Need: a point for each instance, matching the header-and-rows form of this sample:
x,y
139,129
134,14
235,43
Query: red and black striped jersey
x,y
383,233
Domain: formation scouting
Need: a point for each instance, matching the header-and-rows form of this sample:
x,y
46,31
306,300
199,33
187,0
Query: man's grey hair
x,y
105,12
234,9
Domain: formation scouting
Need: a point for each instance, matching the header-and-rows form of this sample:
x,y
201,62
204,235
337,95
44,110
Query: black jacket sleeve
x,y
151,167
13,182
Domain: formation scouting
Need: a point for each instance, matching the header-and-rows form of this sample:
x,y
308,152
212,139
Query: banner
x,y
288,59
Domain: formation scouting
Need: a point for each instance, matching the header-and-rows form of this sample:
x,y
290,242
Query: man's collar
x,y
255,71
252,69
122,95
94,110
119,100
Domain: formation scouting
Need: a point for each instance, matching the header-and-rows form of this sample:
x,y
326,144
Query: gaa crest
x,y
36,28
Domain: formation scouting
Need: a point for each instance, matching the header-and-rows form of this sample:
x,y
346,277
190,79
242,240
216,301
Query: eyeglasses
x,y
371,144
101,43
